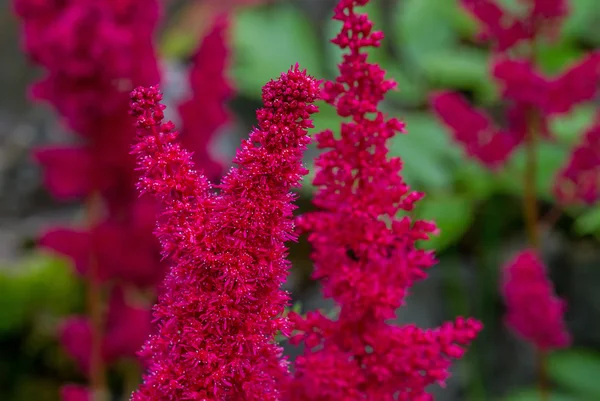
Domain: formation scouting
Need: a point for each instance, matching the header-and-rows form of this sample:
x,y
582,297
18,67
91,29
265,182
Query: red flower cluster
x,y
127,327
526,87
471,127
534,312
93,53
206,77
222,305
364,250
507,28
527,91
580,178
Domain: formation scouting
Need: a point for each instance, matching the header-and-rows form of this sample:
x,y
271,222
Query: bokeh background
x,y
430,45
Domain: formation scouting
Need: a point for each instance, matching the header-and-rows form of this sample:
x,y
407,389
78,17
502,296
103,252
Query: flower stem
x,y
530,210
94,304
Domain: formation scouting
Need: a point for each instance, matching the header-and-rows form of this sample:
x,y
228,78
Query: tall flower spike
x,y
364,249
579,179
222,304
533,311
474,130
203,115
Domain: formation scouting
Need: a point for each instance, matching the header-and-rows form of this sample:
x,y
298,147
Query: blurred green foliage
x,y
35,294
39,285
574,372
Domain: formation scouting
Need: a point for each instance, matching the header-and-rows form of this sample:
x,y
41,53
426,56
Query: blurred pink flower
x,y
533,310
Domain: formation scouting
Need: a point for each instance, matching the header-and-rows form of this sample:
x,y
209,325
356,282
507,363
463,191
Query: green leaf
x,y
412,89
267,41
426,152
549,158
461,68
588,222
177,44
553,58
582,21
40,283
577,370
533,394
424,26
474,181
463,22
452,213
571,127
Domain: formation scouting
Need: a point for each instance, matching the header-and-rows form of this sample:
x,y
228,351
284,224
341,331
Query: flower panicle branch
x,y
533,311
208,76
365,248
523,87
222,304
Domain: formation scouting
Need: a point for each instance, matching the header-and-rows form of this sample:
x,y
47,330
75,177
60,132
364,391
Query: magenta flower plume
x,y
364,249
579,179
529,94
534,312
507,28
481,138
222,304
210,92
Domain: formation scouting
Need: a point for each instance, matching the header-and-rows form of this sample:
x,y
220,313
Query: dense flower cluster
x,y
533,311
126,328
580,178
506,28
364,250
94,52
526,90
206,77
471,127
222,305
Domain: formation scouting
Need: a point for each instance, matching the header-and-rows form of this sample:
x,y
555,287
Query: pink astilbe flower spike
x,y
497,24
222,304
533,311
579,180
531,97
364,250
577,84
127,327
210,92
474,130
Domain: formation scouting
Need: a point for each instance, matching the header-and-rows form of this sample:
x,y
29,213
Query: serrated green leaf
x,y
576,370
267,41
